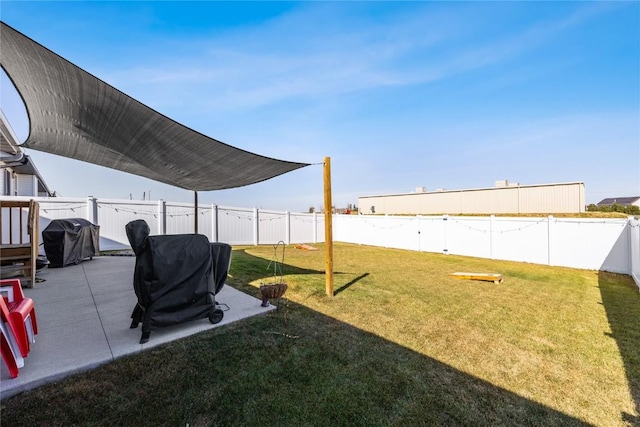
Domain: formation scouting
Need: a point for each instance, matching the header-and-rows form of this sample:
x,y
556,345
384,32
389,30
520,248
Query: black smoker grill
x,y
176,278
71,240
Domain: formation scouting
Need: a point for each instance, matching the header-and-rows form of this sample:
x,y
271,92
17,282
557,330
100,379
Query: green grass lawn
x,y
401,343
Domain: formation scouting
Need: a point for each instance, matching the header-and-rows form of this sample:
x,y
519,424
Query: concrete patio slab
x,y
83,313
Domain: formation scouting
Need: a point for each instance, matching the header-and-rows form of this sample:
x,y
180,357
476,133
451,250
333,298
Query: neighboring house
x,y
623,201
18,174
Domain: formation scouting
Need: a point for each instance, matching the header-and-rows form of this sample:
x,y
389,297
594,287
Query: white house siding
x,y
8,182
27,185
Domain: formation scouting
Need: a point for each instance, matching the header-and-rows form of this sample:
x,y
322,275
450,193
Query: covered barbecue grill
x,y
69,241
176,278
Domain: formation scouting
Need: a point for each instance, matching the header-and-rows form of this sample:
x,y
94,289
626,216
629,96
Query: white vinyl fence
x,y
236,226
634,250
596,244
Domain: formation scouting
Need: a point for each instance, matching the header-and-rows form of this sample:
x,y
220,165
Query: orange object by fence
x,y
306,248
487,277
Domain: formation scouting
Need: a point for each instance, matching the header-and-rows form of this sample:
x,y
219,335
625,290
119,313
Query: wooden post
x,y
328,227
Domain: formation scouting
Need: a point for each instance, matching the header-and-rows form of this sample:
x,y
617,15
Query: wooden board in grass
x,y
306,248
487,277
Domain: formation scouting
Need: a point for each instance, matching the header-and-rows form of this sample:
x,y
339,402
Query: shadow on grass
x,y
622,304
349,284
292,367
251,267
247,268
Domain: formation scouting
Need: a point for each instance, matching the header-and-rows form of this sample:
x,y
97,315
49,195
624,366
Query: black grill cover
x,y
71,240
176,277
221,255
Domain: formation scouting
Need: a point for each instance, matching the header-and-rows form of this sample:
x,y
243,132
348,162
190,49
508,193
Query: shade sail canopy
x,y
74,114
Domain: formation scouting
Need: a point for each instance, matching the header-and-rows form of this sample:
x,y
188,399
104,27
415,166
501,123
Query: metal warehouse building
x,y
504,198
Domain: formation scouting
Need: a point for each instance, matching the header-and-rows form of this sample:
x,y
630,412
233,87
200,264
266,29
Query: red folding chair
x,y
11,357
18,314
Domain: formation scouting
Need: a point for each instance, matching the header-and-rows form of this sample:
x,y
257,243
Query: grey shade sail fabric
x,y
74,114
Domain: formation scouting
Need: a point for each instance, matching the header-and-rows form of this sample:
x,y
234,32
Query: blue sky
x,y
400,95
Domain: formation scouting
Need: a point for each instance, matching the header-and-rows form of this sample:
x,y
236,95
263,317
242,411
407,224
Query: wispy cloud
x,y
338,53
400,94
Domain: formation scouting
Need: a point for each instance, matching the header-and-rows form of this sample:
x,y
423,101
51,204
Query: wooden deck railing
x,y
19,239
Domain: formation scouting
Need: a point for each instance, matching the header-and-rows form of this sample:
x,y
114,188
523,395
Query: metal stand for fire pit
x,y
275,290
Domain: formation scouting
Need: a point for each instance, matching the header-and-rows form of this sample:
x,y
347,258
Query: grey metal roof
x,y
27,167
74,114
619,201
